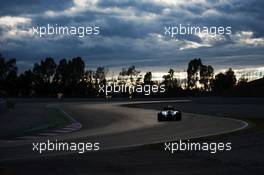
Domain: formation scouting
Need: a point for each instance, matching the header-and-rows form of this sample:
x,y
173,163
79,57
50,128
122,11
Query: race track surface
x,y
115,126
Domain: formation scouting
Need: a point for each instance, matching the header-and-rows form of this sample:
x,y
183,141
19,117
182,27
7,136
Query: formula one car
x,y
169,113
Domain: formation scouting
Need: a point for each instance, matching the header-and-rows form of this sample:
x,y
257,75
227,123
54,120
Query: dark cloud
x,y
18,7
118,27
140,6
130,32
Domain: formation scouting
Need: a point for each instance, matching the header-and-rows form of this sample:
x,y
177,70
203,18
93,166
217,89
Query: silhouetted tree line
x,y
70,79
201,79
47,79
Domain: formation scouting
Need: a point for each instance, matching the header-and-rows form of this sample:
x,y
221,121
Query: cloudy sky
x,y
132,32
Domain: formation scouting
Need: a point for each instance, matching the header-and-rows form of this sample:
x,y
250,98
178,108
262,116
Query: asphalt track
x,y
115,127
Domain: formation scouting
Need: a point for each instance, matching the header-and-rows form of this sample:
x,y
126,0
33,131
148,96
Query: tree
x,y
130,72
223,82
8,76
231,77
46,69
242,82
148,78
169,80
171,73
66,78
76,67
7,67
89,74
26,83
60,80
206,76
44,73
197,73
193,73
75,71
100,75
90,89
62,71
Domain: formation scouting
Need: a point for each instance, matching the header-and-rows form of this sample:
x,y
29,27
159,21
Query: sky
x,y
132,33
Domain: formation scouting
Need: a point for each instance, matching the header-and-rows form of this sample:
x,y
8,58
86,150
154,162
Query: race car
x,y
169,113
